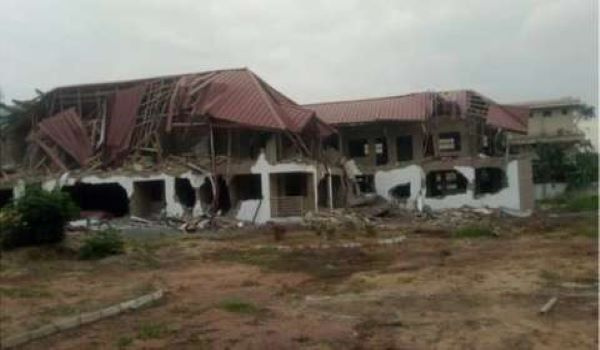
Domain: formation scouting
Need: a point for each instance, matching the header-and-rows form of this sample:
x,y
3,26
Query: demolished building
x,y
435,149
226,142
214,142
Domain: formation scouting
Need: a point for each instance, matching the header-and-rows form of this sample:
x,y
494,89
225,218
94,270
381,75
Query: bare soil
x,y
431,291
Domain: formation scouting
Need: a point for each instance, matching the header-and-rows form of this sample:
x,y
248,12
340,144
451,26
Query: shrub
x,y
582,203
36,218
473,231
238,306
102,244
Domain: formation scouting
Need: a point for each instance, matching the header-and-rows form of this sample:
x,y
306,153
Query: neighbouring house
x,y
558,122
436,149
214,142
225,142
565,123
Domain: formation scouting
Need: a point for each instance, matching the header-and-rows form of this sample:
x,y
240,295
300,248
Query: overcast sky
x,y
312,51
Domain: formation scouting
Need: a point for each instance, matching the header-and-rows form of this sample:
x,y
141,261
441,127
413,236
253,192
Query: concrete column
x,y
329,190
264,213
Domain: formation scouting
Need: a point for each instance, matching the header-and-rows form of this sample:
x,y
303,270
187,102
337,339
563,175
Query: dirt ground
x,y
430,291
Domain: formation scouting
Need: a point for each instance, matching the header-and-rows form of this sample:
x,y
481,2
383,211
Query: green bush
x,y
238,306
38,217
102,244
582,203
473,231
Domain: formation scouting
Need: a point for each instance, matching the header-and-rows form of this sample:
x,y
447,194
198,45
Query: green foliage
x,y
38,217
238,306
553,165
473,231
582,203
102,244
584,170
572,202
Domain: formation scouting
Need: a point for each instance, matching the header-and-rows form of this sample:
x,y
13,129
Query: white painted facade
x,y
257,210
508,197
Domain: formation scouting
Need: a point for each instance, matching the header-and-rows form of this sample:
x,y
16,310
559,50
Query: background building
x,y
564,121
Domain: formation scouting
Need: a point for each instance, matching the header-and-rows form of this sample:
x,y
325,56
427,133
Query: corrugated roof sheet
x,y
123,112
513,118
67,130
414,107
241,97
419,107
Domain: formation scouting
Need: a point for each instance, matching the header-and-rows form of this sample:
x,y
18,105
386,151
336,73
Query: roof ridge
x,y
265,98
166,76
368,99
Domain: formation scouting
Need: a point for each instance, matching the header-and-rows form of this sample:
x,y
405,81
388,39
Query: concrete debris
x,y
549,305
516,213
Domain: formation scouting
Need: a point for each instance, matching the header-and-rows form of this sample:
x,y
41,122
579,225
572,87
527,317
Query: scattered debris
x,y
548,306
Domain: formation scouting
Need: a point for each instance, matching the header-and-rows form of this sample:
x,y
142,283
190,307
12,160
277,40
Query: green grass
x,y
582,203
319,263
571,202
473,232
152,330
24,292
239,306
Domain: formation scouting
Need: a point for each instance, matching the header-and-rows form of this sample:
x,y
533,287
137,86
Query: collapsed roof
x,y
108,120
419,107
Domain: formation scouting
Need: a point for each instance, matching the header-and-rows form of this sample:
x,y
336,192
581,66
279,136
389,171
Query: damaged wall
x,y
172,205
510,196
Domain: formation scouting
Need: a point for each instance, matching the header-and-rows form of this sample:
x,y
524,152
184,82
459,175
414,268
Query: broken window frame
x,y
381,151
247,187
492,172
445,182
358,148
366,183
452,138
404,148
400,192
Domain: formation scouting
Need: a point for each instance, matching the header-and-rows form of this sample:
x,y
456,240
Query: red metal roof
x,y
67,130
513,118
419,107
414,107
123,112
239,96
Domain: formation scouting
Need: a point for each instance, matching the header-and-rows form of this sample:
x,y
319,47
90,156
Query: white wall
x,y
415,176
173,207
247,209
264,168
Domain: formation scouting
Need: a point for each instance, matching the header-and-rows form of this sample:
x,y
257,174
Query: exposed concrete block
x,y
126,305
43,331
139,302
73,322
67,323
11,342
111,311
90,317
